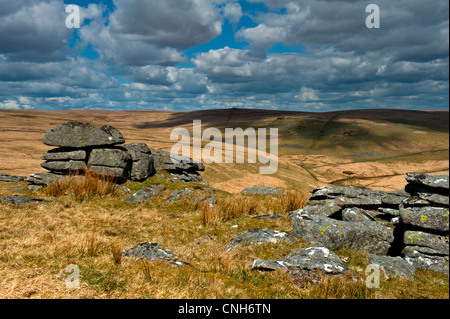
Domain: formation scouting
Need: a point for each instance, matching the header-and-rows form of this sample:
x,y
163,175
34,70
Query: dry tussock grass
x,y
83,187
39,241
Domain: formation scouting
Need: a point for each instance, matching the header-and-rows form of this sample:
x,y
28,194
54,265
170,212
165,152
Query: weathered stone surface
x,y
149,251
433,181
371,236
187,176
263,190
65,154
349,196
428,195
312,258
259,236
44,178
118,173
164,160
11,178
78,135
433,218
424,261
23,200
427,243
354,215
178,194
327,209
393,266
142,161
64,166
110,157
146,194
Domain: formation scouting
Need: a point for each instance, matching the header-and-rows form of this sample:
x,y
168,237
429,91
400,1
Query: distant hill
x,y
369,148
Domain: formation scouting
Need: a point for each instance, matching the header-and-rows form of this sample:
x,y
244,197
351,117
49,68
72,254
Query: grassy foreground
x,y
89,228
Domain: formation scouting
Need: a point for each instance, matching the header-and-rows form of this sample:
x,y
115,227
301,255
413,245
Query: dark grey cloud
x,y
342,65
154,32
412,30
33,30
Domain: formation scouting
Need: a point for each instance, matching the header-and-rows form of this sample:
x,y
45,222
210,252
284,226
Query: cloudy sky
x,y
304,55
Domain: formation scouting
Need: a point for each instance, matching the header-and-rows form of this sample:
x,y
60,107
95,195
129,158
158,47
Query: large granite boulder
x,y
142,166
79,135
364,236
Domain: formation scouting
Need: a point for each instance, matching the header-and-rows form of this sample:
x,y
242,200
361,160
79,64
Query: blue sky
x,y
303,55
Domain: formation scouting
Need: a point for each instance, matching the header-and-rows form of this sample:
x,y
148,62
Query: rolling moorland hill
x,y
367,148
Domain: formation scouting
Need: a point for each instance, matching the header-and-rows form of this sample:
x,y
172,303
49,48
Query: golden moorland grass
x,y
39,241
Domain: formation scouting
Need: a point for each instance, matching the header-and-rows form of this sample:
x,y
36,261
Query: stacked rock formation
x,y
81,146
180,167
412,223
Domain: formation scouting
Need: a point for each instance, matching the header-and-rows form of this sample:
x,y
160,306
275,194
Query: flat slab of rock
x,y
263,190
393,266
187,176
178,194
259,236
146,194
23,200
328,209
64,166
433,181
349,196
312,258
109,157
167,161
433,218
149,251
371,236
43,179
427,243
78,135
65,154
11,178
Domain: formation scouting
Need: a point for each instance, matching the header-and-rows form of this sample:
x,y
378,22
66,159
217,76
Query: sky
x,y
181,55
